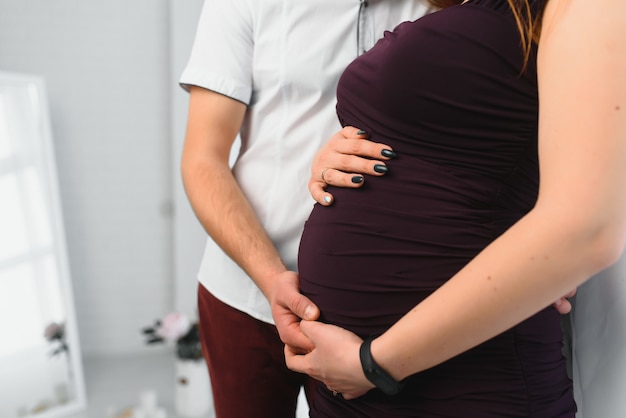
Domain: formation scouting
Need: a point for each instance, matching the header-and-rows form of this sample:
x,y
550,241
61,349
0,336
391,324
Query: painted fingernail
x,y
380,168
357,179
361,132
388,153
327,199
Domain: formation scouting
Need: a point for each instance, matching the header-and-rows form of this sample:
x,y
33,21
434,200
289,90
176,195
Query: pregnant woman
x,y
448,264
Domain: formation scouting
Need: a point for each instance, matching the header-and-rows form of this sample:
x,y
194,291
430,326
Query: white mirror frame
x,y
34,91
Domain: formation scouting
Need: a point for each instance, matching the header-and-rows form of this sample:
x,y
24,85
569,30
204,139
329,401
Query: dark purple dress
x,y
447,92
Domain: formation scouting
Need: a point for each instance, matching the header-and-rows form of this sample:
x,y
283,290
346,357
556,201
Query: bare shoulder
x,y
592,31
590,14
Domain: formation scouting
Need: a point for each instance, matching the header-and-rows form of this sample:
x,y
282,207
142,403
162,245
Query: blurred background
x,y
117,118
118,122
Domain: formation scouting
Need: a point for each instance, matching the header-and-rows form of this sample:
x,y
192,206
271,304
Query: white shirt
x,y
283,59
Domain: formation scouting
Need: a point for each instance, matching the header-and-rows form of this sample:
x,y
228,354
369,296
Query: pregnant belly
x,y
380,250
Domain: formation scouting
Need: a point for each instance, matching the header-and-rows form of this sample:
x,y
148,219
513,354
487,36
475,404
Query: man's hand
x,y
343,160
289,306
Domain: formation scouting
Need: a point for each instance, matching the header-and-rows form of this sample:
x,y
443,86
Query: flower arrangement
x,y
55,333
176,328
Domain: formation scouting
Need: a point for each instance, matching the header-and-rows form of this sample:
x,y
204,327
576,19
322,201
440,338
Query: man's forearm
x,y
215,196
227,216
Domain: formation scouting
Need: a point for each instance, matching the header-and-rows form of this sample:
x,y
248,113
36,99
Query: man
x,y
265,71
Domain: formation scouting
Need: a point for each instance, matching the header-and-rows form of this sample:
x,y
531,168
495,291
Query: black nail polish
x,y
380,168
357,179
388,153
361,132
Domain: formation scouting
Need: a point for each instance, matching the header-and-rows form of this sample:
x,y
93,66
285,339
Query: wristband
x,y
374,373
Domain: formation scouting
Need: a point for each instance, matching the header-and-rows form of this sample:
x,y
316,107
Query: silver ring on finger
x,y
322,175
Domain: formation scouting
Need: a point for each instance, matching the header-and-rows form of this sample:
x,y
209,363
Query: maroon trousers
x,y
246,363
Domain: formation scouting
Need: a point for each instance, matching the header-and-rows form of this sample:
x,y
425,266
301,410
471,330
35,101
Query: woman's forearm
x,y
578,225
494,292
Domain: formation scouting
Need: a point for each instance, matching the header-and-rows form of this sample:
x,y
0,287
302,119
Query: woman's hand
x,y
334,361
563,305
343,160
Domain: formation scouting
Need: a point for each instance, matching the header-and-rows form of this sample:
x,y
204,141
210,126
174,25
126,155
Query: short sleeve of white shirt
x,y
223,49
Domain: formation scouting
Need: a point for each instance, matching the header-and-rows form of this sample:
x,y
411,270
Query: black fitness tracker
x,y
374,373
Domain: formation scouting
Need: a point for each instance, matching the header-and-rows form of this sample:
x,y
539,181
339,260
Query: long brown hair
x,y
529,27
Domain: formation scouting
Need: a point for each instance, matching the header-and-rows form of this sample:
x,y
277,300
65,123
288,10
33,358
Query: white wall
x,y
189,237
107,69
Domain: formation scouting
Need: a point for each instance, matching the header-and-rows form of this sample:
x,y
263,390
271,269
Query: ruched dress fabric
x,y
448,93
